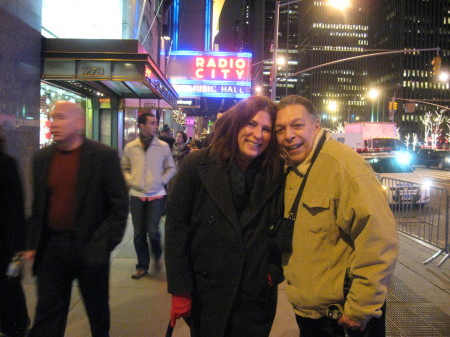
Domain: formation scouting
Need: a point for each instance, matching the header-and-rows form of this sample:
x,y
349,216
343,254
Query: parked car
x,y
403,185
431,157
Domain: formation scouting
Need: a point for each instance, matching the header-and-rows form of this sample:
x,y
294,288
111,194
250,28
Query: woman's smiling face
x,y
254,138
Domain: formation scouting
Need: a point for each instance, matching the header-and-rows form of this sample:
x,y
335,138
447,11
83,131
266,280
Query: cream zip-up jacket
x,y
343,223
146,172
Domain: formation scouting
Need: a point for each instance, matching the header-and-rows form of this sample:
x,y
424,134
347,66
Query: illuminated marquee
x,y
210,74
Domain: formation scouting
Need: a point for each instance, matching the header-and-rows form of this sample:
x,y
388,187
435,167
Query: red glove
x,y
181,307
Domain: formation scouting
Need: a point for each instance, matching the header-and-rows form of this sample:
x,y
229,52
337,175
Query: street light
x,y
374,94
443,77
339,4
333,108
281,61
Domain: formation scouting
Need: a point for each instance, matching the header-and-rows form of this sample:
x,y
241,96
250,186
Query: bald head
x,y
67,124
68,107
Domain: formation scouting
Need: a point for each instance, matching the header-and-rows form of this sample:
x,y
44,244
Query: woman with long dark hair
x,y
180,148
221,270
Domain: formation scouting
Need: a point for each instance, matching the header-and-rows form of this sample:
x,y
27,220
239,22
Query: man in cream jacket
x,y
148,165
344,246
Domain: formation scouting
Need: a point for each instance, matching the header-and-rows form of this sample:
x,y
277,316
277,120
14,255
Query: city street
x,y
418,302
440,178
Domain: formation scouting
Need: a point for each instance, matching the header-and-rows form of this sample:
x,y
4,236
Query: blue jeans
x,y
145,216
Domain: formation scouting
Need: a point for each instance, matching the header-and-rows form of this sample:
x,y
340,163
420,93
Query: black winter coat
x,y
222,260
12,217
101,202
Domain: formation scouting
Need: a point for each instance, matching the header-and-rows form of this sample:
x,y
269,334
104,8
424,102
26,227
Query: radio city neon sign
x,y
210,74
223,68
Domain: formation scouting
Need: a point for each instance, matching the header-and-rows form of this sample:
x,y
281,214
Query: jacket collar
x,y
302,168
137,142
215,178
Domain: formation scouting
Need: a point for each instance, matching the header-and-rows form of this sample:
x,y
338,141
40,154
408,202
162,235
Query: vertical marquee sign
x,y
210,74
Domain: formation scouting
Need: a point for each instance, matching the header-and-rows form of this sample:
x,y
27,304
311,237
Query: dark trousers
x,y
145,216
326,327
60,264
13,308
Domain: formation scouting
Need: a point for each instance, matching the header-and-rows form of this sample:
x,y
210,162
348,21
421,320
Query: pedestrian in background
x,y
14,319
220,267
80,209
193,145
209,137
180,148
165,134
148,166
344,245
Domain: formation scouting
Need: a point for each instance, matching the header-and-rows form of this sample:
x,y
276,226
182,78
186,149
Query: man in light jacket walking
x,y
148,165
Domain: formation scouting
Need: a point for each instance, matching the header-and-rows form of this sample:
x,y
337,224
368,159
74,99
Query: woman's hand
x,y
181,307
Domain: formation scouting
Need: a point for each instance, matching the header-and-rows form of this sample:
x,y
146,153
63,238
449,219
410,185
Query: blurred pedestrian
x,y
220,267
165,134
13,310
80,208
180,148
192,144
209,137
344,243
148,166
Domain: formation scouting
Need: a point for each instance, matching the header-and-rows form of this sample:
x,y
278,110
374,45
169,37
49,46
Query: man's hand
x,y
181,307
351,324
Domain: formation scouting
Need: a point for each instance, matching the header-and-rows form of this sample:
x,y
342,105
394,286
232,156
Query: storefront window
x,y
49,95
130,129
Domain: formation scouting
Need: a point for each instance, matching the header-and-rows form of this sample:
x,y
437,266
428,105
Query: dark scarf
x,y
242,183
146,141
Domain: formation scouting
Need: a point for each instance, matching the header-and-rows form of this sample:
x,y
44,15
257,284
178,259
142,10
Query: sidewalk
x,y
418,302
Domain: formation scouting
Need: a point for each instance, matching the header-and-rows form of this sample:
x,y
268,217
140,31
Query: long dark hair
x,y
226,129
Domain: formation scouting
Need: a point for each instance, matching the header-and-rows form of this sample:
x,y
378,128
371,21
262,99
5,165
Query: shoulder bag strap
x,y
293,211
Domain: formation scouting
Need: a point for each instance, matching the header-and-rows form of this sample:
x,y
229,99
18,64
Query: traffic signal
x,y
393,106
436,65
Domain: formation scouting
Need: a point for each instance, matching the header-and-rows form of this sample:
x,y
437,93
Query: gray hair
x,y
298,100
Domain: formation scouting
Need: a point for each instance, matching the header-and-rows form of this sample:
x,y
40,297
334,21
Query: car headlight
x,y
426,184
404,158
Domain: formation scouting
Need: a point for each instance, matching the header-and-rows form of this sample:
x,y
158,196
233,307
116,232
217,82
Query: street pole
x,y
371,117
273,93
378,109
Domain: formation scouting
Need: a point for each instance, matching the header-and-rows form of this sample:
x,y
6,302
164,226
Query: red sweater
x,y
62,185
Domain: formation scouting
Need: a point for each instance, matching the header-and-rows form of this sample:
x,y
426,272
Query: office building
x,y
412,24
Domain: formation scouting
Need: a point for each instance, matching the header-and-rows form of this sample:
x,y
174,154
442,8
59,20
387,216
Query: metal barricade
x,y
421,211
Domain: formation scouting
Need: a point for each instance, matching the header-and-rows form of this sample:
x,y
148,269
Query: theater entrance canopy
x,y
116,67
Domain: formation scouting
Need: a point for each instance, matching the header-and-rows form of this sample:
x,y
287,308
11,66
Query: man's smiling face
x,y
296,130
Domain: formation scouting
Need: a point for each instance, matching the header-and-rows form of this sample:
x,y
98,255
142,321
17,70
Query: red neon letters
x,y
220,68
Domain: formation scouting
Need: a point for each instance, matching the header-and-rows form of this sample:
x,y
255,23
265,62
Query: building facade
x,y
109,58
419,25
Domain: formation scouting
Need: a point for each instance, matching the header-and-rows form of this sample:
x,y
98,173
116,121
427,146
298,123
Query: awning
x,y
119,67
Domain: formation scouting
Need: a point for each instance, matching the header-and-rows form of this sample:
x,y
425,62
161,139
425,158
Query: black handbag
x,y
281,229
